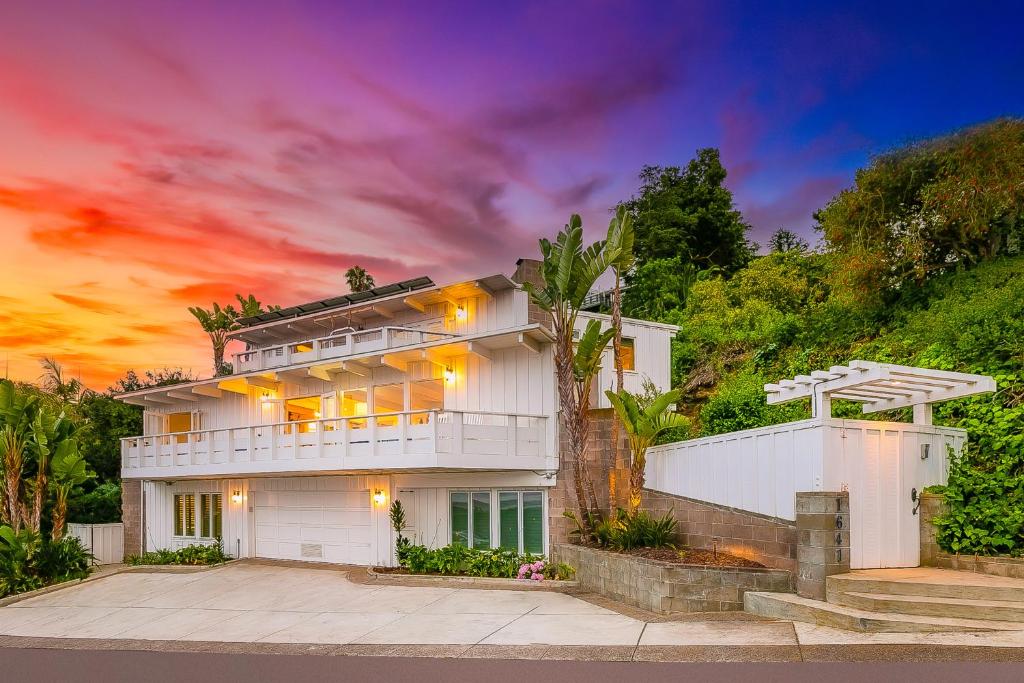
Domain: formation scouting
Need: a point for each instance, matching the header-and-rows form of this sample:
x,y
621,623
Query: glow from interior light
x,y
461,313
449,375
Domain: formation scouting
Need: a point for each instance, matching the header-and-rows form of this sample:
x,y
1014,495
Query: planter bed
x,y
667,587
694,558
403,577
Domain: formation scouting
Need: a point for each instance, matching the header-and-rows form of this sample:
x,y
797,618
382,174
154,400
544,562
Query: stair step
x,y
922,605
935,583
795,608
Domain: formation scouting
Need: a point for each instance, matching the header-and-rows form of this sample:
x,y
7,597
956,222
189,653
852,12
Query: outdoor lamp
x,y
379,497
449,375
236,497
461,313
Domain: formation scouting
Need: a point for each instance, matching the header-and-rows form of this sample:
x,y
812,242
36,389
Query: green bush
x,y
29,561
625,531
458,560
195,554
102,505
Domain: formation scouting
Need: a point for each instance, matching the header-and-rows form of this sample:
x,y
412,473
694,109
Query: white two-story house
x,y
443,397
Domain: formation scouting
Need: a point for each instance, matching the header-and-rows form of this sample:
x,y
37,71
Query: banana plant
x,y
643,422
68,469
569,271
217,322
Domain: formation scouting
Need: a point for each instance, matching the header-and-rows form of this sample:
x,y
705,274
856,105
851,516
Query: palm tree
x,y
569,271
53,383
217,322
644,421
621,236
358,279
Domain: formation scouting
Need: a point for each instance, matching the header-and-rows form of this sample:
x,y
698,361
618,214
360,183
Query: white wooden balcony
x,y
446,439
339,345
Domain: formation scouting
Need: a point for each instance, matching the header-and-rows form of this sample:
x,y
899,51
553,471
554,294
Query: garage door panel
x,y
314,524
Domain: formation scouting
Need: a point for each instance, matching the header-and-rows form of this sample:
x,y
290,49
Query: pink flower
x,y
537,577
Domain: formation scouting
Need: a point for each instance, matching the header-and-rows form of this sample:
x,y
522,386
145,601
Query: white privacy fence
x,y
104,541
883,465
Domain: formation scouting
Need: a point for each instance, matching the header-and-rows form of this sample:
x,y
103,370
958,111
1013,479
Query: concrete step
x,y
928,582
920,605
795,608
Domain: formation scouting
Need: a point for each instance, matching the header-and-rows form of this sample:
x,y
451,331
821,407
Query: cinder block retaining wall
x,y
823,539
933,505
666,588
768,540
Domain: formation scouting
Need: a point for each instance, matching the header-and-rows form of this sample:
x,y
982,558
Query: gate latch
x,y
916,499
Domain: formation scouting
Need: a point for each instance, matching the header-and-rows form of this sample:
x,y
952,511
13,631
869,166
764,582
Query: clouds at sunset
x,y
159,155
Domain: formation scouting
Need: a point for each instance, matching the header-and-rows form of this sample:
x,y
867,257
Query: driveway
x,y
255,603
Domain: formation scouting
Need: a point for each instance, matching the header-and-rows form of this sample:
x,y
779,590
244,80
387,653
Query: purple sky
x,y
155,155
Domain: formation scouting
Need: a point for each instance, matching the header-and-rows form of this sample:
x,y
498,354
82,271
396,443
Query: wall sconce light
x,y
265,396
236,497
449,375
461,313
379,497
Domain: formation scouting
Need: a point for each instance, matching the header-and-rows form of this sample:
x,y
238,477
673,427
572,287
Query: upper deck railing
x,y
336,345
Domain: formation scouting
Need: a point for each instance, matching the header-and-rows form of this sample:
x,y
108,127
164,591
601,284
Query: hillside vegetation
x,y
920,263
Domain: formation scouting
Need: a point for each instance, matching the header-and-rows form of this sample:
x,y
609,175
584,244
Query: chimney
x,y
528,270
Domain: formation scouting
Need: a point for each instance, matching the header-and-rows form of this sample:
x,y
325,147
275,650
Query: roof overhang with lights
x,y
878,386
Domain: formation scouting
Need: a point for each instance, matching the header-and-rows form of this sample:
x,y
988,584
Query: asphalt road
x,y
111,666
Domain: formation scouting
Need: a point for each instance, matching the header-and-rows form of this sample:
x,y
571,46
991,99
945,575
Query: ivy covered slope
x,y
920,263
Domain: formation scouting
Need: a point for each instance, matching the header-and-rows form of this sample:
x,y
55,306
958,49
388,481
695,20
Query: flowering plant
x,y
532,571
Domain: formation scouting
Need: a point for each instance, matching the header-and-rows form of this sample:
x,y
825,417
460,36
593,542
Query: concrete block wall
x,y
768,540
823,539
933,505
131,515
667,588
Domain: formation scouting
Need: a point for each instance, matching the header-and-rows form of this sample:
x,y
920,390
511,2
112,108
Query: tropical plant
x,y
358,279
569,271
250,306
397,515
101,505
457,559
620,238
63,390
28,561
217,322
643,423
68,469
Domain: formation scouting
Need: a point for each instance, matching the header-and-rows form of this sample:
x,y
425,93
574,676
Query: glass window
x,y
628,354
210,515
302,410
427,394
185,514
460,517
533,522
481,519
353,404
508,520
388,398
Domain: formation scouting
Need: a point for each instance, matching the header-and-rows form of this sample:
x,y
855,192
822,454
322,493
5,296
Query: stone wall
x,y
933,505
768,540
131,515
823,539
666,588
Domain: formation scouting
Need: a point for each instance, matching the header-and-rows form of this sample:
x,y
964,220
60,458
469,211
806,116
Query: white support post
x,y
457,433
822,406
922,413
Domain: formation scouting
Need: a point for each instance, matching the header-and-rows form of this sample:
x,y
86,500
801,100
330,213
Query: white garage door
x,y
318,526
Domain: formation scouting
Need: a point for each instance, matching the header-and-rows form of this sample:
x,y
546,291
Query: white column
x,y
922,413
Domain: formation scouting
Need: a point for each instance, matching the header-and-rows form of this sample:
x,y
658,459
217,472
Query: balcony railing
x,y
425,439
334,346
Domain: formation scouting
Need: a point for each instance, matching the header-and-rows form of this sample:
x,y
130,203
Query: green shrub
x,y
29,561
102,505
458,560
195,554
624,531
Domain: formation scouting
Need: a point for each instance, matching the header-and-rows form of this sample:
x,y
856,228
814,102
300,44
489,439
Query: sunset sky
x,y
156,156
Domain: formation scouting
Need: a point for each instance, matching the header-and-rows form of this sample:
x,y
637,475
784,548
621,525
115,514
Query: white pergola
x,y
879,386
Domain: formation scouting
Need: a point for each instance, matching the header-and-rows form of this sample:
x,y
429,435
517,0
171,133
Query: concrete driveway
x,y
255,603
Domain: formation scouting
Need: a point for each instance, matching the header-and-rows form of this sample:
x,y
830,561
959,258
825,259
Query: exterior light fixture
x,y
379,497
236,497
461,313
449,375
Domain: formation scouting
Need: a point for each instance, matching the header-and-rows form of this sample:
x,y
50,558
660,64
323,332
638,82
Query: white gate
x,y
104,541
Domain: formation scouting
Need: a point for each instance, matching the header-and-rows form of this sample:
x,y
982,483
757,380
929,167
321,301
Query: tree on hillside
x,y
151,378
689,214
783,240
358,279
930,207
